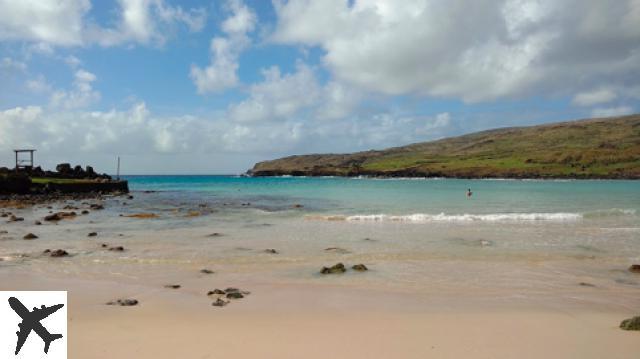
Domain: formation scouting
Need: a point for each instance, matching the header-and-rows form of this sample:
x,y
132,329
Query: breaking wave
x,y
492,217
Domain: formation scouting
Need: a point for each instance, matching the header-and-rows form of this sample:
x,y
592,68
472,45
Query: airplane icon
x,y
31,321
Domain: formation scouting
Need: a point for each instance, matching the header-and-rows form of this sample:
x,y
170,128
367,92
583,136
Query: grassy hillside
x,y
594,148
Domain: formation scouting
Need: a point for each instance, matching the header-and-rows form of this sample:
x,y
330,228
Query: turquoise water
x,y
411,199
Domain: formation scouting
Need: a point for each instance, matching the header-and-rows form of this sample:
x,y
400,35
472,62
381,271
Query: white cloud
x,y
595,97
612,111
81,95
278,96
55,22
72,61
38,85
146,22
225,50
66,22
474,50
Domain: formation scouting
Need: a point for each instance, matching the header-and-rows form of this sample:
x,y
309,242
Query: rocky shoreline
x,y
39,184
413,173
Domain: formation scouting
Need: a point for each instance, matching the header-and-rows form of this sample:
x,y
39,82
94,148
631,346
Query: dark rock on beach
x,y
634,268
216,291
206,271
235,295
271,250
59,216
117,249
360,268
585,284
96,206
56,253
631,324
124,302
173,286
14,218
92,234
335,269
30,236
219,302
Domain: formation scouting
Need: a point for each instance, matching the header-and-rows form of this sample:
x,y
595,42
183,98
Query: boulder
x,y
206,271
335,269
360,268
95,206
13,218
631,324
92,234
216,291
173,286
117,249
30,236
271,251
634,268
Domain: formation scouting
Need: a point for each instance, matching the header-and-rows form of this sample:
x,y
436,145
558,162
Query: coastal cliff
x,y
606,148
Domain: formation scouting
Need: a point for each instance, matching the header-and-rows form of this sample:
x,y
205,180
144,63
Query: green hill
x,y
593,148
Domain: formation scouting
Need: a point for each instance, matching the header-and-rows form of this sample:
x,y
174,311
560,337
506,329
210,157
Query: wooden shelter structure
x,y
24,163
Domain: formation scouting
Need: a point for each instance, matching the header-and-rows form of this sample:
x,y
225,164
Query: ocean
x,y
412,200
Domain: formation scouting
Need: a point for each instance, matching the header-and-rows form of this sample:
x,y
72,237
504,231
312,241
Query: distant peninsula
x,y
602,148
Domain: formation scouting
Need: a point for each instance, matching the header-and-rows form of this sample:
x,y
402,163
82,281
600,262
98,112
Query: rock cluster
x,y
229,293
340,268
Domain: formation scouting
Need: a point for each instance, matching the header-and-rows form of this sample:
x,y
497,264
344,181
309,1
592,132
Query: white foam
x,y
442,217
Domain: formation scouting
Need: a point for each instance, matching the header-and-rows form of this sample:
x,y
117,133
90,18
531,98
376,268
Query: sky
x,y
211,87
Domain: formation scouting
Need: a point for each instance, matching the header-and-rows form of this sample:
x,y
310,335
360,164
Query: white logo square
x,y
33,322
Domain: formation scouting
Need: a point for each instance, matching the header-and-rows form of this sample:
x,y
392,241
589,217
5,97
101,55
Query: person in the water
x,y
469,193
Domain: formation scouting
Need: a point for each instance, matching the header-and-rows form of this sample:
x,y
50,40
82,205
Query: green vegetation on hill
x,y
594,148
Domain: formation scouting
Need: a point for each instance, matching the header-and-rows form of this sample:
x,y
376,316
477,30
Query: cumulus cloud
x,y
477,51
66,22
146,21
612,111
55,22
278,96
225,50
82,93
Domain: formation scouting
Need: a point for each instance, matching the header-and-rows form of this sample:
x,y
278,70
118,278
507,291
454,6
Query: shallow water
x,y
513,240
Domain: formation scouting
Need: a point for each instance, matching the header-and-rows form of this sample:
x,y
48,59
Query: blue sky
x,y
214,86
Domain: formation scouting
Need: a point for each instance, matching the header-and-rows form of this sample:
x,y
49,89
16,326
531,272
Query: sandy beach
x,y
294,321
450,297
